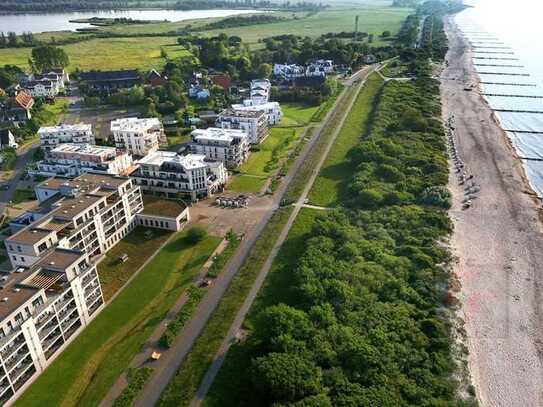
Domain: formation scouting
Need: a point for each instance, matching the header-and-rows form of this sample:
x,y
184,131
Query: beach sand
x,y
499,246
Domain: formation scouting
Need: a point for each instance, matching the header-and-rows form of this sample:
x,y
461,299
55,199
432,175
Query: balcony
x,y
72,329
13,345
52,345
60,305
95,305
23,374
16,360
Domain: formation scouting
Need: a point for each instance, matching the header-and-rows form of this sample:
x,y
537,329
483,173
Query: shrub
x,y
196,234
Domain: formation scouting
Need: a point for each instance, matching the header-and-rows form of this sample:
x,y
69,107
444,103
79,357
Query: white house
x,y
75,159
80,133
229,146
168,174
254,123
138,136
288,71
260,91
271,109
7,139
319,67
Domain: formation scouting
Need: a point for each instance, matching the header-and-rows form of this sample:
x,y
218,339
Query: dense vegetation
x,y
240,21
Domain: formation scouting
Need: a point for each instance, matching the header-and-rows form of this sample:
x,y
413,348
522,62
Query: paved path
x,y
152,342
166,367
24,157
240,317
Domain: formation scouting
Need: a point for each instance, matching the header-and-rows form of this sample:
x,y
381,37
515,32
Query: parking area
x,y
220,219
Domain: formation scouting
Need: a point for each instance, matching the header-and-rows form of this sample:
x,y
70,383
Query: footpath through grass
x,y
184,384
230,384
331,184
86,370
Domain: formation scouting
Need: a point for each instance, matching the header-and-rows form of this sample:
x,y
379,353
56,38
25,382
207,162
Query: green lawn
x,y
297,114
85,371
246,183
330,186
23,195
108,53
187,379
266,161
230,384
114,273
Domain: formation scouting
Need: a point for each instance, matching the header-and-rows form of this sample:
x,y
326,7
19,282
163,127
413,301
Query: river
x,y
44,22
506,36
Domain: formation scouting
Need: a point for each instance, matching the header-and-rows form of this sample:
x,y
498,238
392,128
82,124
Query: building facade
x,y
192,177
71,160
138,136
231,147
254,123
51,137
90,213
272,110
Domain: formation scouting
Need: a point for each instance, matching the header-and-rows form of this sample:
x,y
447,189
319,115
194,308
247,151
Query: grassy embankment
x,y
108,53
86,370
334,175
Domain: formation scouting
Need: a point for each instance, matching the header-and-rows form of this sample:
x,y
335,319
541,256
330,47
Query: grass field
x,y
23,195
108,53
295,114
330,186
85,371
231,381
246,183
114,273
272,150
372,19
185,383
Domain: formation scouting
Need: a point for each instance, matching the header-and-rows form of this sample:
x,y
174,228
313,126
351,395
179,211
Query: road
x,y
242,313
166,367
24,157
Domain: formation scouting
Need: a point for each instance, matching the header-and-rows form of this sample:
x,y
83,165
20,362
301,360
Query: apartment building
x,y
168,174
71,160
272,110
254,123
229,146
138,136
260,91
51,137
42,309
90,213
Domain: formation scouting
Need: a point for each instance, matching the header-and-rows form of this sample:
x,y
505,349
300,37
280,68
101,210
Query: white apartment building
x,y
260,91
71,160
90,213
138,136
51,137
254,123
271,109
231,147
42,309
168,174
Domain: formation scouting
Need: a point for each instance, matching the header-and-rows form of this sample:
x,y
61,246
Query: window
x,y
22,259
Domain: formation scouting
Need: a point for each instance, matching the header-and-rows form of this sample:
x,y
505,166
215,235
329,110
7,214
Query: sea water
x,y
507,42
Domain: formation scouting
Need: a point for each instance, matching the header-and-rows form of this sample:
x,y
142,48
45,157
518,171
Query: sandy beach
x,y
499,245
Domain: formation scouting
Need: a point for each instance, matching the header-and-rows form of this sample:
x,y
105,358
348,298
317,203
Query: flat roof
x,y
65,127
88,181
134,124
218,134
59,259
71,207
162,207
30,235
189,162
241,113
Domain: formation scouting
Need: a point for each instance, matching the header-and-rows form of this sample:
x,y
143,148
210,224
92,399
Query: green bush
x,y
196,234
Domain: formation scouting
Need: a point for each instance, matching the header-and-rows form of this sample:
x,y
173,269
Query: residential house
x,y
271,109
80,133
138,136
198,92
221,80
254,123
109,81
288,71
229,146
208,116
170,175
71,160
17,109
155,79
319,67
260,91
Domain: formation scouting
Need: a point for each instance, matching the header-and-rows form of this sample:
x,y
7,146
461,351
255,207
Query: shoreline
x,y
498,243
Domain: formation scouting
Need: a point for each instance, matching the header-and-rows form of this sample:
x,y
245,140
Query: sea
x,y
507,41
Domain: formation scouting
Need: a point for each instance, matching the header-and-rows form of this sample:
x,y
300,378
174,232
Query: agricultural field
x,y
108,53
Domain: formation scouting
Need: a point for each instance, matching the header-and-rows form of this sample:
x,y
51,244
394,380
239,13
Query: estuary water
x,y
507,41
44,22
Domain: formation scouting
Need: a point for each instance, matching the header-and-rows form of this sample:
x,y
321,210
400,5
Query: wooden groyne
x,y
503,73
518,111
500,66
512,96
508,84
498,59
525,131
484,47
494,52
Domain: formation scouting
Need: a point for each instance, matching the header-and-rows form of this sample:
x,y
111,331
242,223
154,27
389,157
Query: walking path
x,y
151,344
240,317
165,368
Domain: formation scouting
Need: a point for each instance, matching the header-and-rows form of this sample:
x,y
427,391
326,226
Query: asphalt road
x,y
24,157
166,367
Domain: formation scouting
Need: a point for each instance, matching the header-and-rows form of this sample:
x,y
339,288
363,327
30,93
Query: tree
x,y
264,71
287,377
3,40
196,234
385,34
12,39
46,57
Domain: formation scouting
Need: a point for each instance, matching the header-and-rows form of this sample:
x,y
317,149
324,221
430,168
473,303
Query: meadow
x,y
108,53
